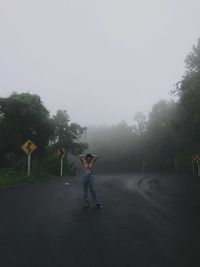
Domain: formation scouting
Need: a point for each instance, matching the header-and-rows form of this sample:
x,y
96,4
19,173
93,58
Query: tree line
x,y
24,117
167,139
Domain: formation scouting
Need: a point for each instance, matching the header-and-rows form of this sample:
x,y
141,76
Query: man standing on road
x,y
88,179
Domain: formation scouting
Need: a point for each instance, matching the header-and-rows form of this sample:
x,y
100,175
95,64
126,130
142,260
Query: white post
x,y
175,165
193,167
29,166
61,167
143,166
198,168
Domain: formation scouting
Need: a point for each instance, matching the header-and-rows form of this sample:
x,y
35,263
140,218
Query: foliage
x,y
140,123
116,146
170,133
22,117
67,135
188,106
12,176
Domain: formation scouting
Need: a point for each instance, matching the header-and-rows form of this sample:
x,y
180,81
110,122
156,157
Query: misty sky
x,y
101,60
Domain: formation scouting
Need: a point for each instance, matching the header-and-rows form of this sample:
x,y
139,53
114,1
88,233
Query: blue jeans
x,y
88,182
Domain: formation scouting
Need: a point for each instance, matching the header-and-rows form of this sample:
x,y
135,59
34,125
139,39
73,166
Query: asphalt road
x,y
147,220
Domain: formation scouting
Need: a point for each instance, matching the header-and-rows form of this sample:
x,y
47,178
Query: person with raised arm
x,y
88,179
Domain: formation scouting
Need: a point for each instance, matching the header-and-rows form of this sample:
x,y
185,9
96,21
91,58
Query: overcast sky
x,y
101,60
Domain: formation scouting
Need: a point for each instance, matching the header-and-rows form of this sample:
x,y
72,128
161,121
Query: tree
x,y
67,135
140,123
22,117
192,61
162,142
188,106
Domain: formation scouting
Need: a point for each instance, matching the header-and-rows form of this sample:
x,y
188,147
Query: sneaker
x,y
99,206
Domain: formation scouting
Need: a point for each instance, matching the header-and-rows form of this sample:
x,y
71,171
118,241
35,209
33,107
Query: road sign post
x,y
61,154
61,167
28,147
29,166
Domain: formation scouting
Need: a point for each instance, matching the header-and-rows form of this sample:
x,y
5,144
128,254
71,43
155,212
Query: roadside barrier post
x,y
198,168
192,166
175,165
143,166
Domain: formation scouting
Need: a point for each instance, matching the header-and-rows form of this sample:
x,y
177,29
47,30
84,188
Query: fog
x,y
102,61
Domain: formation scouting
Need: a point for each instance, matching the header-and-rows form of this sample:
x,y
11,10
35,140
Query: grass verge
x,y
10,177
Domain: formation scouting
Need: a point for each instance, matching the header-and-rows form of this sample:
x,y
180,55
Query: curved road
x,y
151,220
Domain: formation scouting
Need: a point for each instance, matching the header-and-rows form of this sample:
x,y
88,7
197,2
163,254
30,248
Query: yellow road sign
x,y
61,152
28,147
